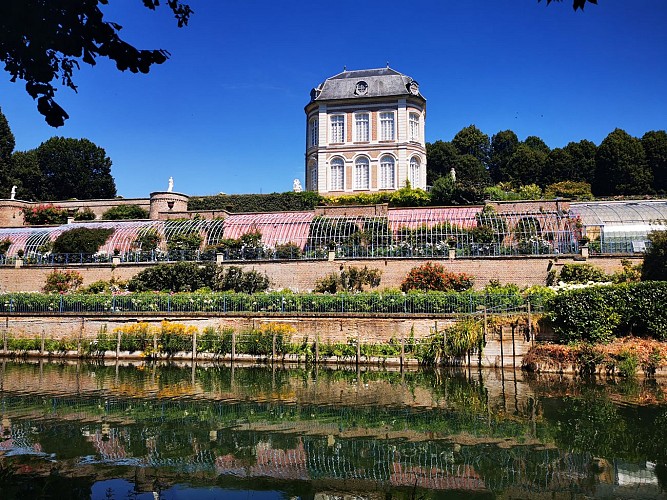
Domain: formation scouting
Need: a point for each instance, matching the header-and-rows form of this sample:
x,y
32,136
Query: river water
x,y
218,431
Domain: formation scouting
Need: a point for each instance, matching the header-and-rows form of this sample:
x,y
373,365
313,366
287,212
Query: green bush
x,y
85,214
582,273
81,240
63,281
599,313
4,245
176,277
233,278
123,212
288,251
148,239
272,202
351,279
655,258
569,189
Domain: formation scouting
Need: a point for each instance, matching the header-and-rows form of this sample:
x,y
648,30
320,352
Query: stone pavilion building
x,y
365,133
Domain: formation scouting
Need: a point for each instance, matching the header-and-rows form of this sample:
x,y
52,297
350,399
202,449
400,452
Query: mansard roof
x,y
380,82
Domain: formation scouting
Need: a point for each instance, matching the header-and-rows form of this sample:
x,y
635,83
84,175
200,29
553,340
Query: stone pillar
x,y
165,202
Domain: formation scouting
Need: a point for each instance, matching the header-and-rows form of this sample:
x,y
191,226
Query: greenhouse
x,y
619,226
471,231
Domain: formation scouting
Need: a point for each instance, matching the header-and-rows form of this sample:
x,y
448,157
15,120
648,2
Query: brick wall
x,y
302,275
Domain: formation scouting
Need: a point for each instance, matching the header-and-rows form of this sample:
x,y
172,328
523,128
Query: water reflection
x,y
322,433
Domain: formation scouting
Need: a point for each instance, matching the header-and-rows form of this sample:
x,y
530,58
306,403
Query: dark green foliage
x,y
7,143
441,157
503,145
148,239
288,251
621,166
81,240
351,279
177,277
273,202
4,245
655,258
655,149
235,279
582,273
44,42
525,166
579,191
599,313
182,237
472,141
73,168
85,214
123,212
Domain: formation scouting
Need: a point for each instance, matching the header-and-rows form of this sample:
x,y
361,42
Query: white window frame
x,y
313,131
312,167
414,124
387,175
357,130
414,172
384,118
362,173
338,118
337,164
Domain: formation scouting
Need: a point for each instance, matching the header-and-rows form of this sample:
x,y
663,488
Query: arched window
x,y
312,167
414,176
362,173
313,132
337,174
387,172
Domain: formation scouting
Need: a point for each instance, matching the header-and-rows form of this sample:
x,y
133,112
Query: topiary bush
x,y
81,240
123,212
435,277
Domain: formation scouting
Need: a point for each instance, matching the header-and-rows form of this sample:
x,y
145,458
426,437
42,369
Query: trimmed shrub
x,y
582,273
123,212
177,277
85,214
272,202
234,279
81,240
63,281
435,277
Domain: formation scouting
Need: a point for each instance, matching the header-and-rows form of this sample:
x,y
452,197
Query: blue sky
x,y
225,113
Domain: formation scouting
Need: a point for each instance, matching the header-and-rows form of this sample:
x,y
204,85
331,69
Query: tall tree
x,y
74,168
441,157
503,145
27,176
472,141
536,143
620,166
7,144
46,40
655,149
559,167
583,160
525,166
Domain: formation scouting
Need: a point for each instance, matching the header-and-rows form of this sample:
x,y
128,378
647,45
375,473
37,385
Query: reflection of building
x,y
365,132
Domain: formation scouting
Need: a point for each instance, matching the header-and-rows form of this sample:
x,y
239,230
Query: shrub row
x,y
600,313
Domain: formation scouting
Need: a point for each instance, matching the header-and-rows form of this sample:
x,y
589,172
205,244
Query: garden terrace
x,y
473,231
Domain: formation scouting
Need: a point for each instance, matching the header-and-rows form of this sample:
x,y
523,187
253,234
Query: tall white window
x,y
362,127
414,175
414,126
337,129
313,176
387,172
387,126
337,174
313,132
362,173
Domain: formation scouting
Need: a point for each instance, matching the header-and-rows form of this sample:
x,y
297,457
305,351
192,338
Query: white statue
x,y
12,196
170,188
452,172
296,186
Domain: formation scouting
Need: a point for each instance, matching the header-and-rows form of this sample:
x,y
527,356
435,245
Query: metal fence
x,y
277,303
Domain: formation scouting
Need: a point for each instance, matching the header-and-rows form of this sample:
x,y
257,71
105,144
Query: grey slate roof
x,y
381,82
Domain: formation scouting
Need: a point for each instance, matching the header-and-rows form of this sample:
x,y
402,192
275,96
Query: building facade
x,y
365,133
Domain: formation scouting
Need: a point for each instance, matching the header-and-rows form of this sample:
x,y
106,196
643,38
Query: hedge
x,y
600,313
272,202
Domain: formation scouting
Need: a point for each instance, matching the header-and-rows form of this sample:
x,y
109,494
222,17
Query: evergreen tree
x,y
620,166
655,149
7,144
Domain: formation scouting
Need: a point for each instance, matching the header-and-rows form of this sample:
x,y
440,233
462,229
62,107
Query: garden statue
x,y
170,188
296,186
452,172
12,196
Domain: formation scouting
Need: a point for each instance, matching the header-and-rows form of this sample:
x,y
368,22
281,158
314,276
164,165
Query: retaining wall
x,y
301,275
